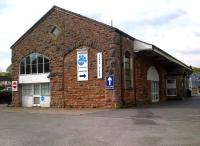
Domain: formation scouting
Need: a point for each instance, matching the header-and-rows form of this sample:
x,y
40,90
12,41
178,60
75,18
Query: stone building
x,y
68,60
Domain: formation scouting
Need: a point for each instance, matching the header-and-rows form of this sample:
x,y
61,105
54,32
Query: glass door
x,y
36,95
155,91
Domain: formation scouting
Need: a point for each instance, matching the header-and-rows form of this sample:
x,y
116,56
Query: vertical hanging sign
x,y
99,65
82,65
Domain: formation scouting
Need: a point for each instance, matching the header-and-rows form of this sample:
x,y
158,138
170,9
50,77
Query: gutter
x,y
63,80
142,46
169,57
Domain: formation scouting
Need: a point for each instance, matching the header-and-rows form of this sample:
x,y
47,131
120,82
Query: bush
x,y
5,97
1,87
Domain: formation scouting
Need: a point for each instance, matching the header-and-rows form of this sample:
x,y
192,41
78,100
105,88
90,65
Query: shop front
x,y
34,81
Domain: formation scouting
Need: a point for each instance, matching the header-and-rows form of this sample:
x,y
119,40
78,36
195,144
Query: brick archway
x,y
81,94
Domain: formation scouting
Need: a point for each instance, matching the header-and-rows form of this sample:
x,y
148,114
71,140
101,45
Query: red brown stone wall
x,y
143,86
75,33
89,93
78,32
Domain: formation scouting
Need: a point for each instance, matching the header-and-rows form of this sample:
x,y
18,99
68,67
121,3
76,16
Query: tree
x,y
9,69
195,70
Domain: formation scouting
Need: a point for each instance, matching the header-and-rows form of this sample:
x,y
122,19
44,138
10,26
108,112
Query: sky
x,y
171,25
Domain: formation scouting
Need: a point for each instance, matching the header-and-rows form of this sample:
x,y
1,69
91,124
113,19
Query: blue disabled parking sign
x,y
110,82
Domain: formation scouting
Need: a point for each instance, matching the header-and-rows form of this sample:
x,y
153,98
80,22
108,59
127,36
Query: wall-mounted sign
x,y
14,86
99,65
82,65
110,82
42,98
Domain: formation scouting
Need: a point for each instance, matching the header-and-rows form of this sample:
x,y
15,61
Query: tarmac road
x,y
173,123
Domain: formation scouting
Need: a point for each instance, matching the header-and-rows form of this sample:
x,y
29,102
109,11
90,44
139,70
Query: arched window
x,y
152,74
34,63
127,70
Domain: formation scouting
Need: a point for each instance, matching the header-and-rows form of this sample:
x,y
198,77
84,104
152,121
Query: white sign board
x,y
82,65
99,65
14,86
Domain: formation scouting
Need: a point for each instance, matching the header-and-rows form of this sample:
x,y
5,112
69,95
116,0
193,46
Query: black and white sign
x,y
99,65
82,65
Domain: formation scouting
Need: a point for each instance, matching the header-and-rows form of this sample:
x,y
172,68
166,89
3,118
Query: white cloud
x,y
172,25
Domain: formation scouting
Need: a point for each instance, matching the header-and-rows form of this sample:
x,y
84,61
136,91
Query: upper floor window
x,y
34,63
127,70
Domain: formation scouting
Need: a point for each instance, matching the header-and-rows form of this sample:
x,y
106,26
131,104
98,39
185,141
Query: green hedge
x,y
5,97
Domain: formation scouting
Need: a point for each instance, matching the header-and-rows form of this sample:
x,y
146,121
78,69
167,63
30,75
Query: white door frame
x,y
155,91
153,76
37,96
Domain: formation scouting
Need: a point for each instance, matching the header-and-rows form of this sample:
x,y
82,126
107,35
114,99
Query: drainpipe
x,y
122,98
135,79
63,80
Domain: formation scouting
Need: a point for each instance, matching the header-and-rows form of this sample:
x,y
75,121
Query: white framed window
x,y
45,89
34,63
171,87
36,89
27,90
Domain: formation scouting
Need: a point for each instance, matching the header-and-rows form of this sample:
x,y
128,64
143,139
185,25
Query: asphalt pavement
x,y
173,123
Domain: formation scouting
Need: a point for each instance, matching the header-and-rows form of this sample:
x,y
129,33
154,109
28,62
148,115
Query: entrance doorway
x,y
155,91
37,94
153,78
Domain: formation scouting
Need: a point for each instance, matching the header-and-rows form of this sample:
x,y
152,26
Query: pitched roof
x,y
70,13
93,21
